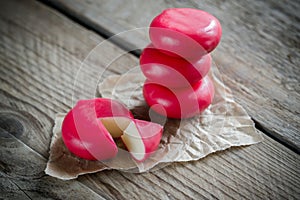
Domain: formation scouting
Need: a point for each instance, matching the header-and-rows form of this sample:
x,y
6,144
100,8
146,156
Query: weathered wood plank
x,y
44,188
239,173
37,70
9,190
259,53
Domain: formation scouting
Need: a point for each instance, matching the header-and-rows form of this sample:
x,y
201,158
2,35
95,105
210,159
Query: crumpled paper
x,y
224,124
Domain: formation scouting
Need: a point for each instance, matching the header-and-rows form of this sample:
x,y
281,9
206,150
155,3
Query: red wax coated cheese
x,y
83,132
142,138
179,103
172,72
185,32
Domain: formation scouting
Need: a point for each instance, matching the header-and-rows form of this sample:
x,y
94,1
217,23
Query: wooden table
x,y
43,43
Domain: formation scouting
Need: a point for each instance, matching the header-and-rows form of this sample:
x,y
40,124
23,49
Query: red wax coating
x,y
172,72
150,134
179,103
187,32
85,135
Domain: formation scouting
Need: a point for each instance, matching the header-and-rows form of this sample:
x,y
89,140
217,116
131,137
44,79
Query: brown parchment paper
x,y
224,124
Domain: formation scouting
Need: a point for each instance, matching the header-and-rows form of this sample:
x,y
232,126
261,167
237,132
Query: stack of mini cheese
x,y
178,60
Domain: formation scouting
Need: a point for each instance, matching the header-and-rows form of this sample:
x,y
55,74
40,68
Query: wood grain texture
x,y
44,188
258,55
40,54
239,173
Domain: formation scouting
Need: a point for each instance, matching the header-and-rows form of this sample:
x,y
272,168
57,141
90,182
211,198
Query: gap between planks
x,y
103,32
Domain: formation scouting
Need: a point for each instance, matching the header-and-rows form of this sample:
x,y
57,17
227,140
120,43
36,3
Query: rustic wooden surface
x,y
258,55
40,55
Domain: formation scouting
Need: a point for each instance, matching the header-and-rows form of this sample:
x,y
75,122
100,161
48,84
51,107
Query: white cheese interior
x,y
115,125
134,142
